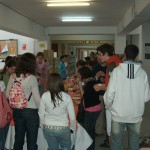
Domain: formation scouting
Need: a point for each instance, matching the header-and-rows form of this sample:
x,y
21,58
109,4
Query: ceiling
x,y
103,12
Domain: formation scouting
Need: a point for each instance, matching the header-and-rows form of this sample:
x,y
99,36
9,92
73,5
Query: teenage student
x,y
55,107
106,54
128,91
9,68
26,120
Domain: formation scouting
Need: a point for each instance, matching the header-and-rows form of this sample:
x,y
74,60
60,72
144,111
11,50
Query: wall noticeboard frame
x,y
8,48
147,50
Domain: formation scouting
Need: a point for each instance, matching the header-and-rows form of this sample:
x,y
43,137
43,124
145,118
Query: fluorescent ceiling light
x,y
68,4
63,1
76,19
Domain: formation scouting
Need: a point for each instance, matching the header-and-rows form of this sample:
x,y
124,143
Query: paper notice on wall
x,y
24,47
42,45
147,50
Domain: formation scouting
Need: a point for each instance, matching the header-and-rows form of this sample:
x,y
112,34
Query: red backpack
x,y
5,110
17,98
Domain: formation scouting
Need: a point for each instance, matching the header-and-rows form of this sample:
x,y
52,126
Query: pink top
x,y
94,108
42,69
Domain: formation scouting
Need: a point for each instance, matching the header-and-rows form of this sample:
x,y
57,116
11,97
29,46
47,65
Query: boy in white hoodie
x,y
126,94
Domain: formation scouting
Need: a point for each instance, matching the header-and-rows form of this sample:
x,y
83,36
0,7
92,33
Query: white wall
x,y
146,39
40,46
21,40
14,22
94,30
120,43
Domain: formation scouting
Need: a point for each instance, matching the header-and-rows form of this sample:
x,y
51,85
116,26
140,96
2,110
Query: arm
x,y
2,86
71,113
41,112
35,90
9,85
110,92
98,87
147,90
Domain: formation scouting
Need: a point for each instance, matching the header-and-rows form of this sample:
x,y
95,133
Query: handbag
x,y
6,113
80,115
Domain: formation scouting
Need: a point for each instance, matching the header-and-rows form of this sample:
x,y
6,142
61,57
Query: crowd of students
x,y
111,88
126,90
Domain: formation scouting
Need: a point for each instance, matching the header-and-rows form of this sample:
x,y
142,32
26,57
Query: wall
x,y
13,22
146,39
21,40
40,46
89,33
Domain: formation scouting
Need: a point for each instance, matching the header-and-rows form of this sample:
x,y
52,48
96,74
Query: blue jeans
x,y
89,125
3,135
117,132
26,122
58,137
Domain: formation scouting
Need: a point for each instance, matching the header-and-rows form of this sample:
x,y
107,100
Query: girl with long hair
x,y
26,120
55,107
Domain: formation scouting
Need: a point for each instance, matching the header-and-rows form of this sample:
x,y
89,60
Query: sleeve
x,y
2,86
42,112
110,92
35,90
9,85
147,90
71,114
111,67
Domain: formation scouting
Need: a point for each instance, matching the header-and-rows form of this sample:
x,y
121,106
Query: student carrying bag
x,y
5,111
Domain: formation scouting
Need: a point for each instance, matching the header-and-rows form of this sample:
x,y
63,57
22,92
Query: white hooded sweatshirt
x,y
127,92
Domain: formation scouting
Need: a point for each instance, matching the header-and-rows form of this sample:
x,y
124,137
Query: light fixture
x,y
76,19
66,4
63,1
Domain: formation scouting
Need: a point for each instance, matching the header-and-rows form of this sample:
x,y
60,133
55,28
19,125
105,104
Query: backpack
x,y
17,98
6,113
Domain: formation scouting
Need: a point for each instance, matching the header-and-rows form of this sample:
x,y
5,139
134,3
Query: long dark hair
x,y
26,64
55,85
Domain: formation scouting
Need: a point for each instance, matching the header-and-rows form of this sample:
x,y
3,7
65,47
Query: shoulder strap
x,y
29,97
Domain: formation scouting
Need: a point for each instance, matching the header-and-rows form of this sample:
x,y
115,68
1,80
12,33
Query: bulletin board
x,y
8,48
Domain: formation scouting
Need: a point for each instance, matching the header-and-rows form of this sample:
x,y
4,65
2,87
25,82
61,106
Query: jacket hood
x,y
130,70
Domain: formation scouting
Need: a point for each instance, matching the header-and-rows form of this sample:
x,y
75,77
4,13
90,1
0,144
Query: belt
x,y
55,127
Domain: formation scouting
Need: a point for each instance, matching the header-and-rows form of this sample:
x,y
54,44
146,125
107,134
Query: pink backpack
x,y
17,98
5,111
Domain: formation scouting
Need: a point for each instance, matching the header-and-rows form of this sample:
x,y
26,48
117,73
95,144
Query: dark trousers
x,y
89,125
26,122
3,135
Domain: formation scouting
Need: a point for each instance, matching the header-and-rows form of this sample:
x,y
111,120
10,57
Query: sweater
x,y
62,69
127,92
91,97
57,116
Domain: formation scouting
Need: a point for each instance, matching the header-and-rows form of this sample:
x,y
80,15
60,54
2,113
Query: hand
x,y
99,87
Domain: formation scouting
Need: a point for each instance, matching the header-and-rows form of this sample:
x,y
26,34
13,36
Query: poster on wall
x,y
24,47
42,45
8,48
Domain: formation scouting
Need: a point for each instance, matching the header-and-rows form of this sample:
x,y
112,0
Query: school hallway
x,y
145,132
